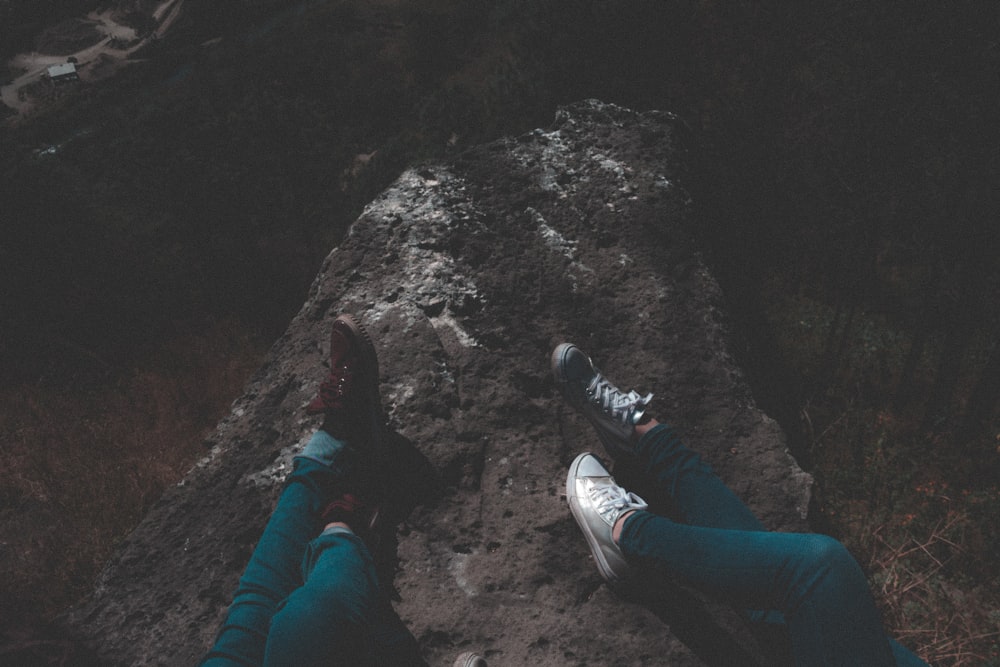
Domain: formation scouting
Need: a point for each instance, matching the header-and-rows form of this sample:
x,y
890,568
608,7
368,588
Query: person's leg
x,y
340,615
812,576
905,657
811,579
622,422
698,495
349,399
328,619
702,499
275,567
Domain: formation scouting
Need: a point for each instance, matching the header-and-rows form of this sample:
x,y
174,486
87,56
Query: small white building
x,y
63,73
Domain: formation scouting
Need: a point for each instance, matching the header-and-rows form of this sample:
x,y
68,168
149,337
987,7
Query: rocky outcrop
x,y
468,274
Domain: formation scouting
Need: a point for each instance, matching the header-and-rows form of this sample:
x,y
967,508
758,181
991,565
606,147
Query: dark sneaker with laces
x,y
612,412
597,502
349,396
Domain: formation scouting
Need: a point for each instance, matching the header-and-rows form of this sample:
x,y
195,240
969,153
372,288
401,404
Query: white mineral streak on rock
x,y
557,176
205,461
804,480
399,394
555,170
276,472
457,565
619,169
380,308
421,220
554,239
563,246
446,321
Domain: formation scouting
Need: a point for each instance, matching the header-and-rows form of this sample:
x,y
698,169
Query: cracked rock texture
x,y
467,274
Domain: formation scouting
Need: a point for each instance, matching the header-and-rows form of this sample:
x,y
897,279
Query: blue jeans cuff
x,y
337,530
323,448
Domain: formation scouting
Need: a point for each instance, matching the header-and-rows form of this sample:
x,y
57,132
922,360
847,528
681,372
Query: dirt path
x,y
35,64
111,28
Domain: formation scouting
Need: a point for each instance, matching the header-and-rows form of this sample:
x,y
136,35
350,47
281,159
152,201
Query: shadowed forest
x,y
158,229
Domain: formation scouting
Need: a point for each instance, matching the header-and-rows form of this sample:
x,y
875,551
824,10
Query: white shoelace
x,y
611,501
619,405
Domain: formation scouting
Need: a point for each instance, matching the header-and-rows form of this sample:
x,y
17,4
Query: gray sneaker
x,y
611,412
470,660
597,503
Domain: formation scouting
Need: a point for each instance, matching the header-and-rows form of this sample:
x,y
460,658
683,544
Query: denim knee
x,y
828,552
820,562
341,601
318,622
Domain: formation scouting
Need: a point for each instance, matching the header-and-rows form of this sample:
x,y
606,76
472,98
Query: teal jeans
x,y
810,582
310,596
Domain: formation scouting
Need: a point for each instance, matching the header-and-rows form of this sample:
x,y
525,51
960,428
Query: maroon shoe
x,y
349,396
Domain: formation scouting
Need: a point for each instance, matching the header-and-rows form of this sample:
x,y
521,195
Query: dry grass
x,y
927,547
926,550
916,506
944,623
81,466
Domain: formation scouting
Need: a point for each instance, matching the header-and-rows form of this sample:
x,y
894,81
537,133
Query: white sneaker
x,y
611,412
470,660
597,503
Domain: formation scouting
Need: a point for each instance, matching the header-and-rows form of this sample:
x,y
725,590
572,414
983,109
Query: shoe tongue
x,y
340,348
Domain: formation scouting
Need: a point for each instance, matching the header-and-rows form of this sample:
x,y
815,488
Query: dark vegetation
x,y
846,170
21,22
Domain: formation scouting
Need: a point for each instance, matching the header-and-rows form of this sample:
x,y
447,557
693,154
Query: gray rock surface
x,y
468,274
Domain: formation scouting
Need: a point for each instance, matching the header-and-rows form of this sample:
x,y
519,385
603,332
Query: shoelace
x,y
611,500
335,386
614,401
